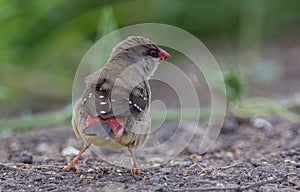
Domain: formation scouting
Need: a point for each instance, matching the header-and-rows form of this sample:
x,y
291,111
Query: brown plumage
x,y
114,109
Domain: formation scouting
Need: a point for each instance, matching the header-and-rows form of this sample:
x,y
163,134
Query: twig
x,y
209,170
189,168
258,184
231,166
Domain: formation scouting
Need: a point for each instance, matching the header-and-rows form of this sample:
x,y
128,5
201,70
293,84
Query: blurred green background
x,y
43,42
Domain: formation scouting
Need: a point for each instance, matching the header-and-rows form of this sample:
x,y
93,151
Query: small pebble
x,y
90,170
26,158
270,179
90,177
219,185
287,161
69,151
195,157
290,161
261,123
82,177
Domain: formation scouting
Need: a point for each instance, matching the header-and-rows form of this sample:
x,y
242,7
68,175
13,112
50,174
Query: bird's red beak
x,y
162,55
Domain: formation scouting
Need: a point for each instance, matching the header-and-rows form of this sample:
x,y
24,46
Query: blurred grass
x,y
257,107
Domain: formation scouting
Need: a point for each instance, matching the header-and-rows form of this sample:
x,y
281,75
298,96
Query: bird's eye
x,y
153,53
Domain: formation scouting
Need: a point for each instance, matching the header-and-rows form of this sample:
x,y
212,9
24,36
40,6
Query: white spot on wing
x,y
90,95
101,97
130,102
103,103
102,112
83,101
138,107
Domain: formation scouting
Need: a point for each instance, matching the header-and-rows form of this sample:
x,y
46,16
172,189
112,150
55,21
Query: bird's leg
x,y
74,163
134,169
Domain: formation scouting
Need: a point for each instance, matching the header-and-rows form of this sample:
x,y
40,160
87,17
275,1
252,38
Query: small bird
x,y
114,109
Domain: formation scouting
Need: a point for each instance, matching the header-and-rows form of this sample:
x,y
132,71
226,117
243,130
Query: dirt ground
x,y
241,159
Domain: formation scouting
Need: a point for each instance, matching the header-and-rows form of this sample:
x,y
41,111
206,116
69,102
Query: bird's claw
x,y
135,171
73,165
74,162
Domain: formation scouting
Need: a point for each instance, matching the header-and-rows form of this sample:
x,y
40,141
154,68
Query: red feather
x,y
115,124
91,121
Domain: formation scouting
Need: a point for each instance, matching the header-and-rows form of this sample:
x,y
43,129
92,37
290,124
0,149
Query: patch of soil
x,y
243,159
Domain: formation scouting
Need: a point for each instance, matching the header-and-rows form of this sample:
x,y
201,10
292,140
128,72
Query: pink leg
x,y
74,163
135,169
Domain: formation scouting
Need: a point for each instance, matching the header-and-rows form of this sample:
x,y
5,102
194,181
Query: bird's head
x,y
140,52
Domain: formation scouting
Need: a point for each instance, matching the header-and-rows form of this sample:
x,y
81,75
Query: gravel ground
x,y
242,159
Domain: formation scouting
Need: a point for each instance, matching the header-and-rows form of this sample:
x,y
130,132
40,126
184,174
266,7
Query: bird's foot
x,y
135,171
73,165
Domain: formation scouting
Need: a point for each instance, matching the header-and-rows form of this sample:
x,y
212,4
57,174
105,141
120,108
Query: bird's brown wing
x,y
105,100
139,98
96,102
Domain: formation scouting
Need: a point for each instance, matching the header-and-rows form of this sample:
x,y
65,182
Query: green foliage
x,y
42,42
255,107
234,86
107,25
28,122
2,93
